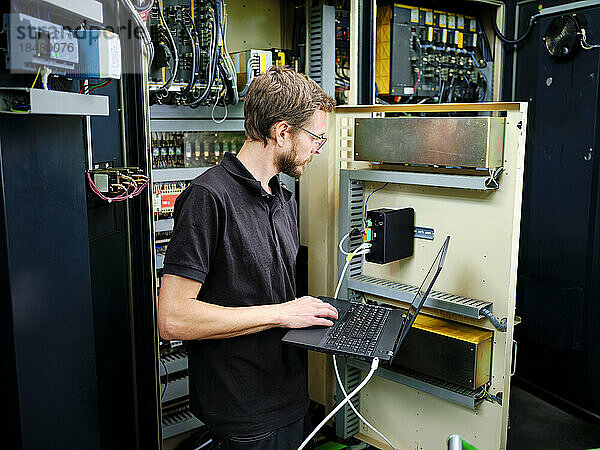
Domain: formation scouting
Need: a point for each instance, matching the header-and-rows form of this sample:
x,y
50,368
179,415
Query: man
x,y
229,274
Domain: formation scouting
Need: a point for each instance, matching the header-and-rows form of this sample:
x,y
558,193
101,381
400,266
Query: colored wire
x,y
98,193
584,42
88,89
121,196
36,77
362,249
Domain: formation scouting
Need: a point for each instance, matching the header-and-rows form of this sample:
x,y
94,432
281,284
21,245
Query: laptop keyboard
x,y
359,330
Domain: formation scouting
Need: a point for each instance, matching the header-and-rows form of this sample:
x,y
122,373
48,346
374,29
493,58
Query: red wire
x,y
102,196
99,86
417,83
84,87
119,198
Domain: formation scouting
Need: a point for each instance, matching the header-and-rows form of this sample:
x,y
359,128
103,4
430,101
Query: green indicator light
x,y
540,7
57,55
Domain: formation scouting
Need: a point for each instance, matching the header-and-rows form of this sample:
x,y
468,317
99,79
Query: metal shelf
x,y
179,174
469,398
88,9
455,304
179,422
174,362
188,125
41,101
163,225
171,118
475,182
176,388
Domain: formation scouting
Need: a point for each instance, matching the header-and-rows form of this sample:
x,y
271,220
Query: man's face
x,y
303,146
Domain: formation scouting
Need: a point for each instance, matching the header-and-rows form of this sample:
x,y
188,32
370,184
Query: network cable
x,y
374,366
365,421
361,250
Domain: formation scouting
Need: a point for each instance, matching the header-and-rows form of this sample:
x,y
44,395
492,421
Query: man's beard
x,y
289,164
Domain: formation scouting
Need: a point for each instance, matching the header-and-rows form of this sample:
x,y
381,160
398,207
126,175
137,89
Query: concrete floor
x,y
535,424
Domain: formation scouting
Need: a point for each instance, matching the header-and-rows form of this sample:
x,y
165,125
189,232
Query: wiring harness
x,y
212,76
117,184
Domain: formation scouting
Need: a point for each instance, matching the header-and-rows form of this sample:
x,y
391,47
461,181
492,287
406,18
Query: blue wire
x,y
369,196
486,85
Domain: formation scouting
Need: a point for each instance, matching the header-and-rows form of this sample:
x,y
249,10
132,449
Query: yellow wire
x,y
36,77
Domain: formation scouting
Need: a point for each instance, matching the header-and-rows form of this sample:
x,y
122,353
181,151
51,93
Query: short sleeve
x,y
195,234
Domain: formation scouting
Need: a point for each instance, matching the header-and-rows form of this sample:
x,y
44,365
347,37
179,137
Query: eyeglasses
x,y
319,140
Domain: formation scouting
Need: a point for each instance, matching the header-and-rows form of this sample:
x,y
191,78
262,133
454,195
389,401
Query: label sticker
x,y
451,21
414,15
442,20
429,18
473,25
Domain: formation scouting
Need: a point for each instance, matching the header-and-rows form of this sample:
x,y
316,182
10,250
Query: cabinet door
x,y
559,210
411,411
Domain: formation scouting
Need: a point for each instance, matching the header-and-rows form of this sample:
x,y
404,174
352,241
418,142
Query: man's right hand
x,y
306,312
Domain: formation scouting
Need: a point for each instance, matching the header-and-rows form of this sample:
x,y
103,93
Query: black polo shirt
x,y
241,243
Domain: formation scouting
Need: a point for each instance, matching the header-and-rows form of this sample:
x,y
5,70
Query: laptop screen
x,y
427,283
422,293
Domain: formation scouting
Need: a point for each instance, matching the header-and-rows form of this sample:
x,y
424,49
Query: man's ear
x,y
280,131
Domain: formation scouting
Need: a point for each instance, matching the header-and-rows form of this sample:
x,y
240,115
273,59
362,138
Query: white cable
x,y
249,75
339,380
46,71
341,242
212,114
227,56
362,249
584,42
337,289
142,25
374,366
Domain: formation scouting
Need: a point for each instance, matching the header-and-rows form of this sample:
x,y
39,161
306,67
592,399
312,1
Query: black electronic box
x,y
392,234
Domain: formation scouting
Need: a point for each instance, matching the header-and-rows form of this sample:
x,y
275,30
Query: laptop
x,y
367,331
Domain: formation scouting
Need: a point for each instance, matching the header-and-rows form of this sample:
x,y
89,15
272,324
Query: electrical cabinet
x,y
480,210
431,55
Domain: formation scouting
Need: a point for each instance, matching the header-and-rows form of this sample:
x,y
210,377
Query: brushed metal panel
x,y
42,101
442,141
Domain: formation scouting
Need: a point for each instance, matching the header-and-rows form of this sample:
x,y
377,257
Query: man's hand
x,y
306,312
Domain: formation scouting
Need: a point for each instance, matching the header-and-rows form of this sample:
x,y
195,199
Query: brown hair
x,y
281,94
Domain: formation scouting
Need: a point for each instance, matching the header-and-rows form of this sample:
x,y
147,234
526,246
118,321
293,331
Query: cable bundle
x,y
121,186
220,71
